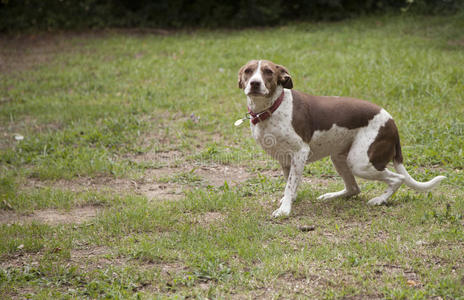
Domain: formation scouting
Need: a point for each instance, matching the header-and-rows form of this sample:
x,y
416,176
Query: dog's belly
x,y
333,141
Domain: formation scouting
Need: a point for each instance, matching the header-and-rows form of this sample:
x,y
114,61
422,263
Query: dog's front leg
x,y
298,161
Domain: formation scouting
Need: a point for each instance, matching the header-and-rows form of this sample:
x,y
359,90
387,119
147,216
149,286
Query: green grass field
x,y
132,182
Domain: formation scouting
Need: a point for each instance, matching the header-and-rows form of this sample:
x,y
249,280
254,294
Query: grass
x,y
139,127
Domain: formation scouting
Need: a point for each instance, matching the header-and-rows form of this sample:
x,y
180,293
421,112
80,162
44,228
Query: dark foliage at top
x,y
72,14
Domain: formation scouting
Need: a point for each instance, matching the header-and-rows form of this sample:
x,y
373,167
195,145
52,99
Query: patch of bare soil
x,y
157,184
91,258
170,268
217,175
411,277
20,260
161,182
307,284
20,53
88,252
148,187
25,51
51,216
212,174
168,271
166,158
166,191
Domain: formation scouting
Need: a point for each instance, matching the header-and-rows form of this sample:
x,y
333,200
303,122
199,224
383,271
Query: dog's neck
x,y
258,104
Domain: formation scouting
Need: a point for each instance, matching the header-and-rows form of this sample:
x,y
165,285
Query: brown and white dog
x,y
360,137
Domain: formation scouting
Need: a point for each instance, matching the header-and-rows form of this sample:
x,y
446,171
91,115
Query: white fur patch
x,y
257,77
326,142
358,157
276,134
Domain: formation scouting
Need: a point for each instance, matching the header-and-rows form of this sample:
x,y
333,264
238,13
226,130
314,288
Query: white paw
x,y
333,195
377,201
282,211
327,196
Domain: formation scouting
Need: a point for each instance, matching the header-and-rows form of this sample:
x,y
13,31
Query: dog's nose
x,y
255,84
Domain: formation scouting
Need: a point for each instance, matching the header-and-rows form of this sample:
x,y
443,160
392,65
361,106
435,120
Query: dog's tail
x,y
409,181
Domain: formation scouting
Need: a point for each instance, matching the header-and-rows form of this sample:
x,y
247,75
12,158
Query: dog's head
x,y
260,78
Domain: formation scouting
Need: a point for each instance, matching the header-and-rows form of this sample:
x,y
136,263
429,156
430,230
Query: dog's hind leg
x,y
362,167
393,180
351,187
373,148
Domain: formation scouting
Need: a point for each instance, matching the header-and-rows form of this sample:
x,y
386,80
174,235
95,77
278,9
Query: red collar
x,y
266,114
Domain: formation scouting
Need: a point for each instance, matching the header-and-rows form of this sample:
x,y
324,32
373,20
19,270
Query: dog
x,y
295,128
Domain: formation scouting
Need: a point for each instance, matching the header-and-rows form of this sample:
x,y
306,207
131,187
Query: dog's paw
x,y
329,196
341,194
377,201
282,211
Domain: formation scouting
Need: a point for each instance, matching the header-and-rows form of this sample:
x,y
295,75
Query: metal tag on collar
x,y
240,121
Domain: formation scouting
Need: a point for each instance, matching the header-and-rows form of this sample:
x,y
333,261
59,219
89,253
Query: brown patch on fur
x,y
311,113
245,73
385,147
274,75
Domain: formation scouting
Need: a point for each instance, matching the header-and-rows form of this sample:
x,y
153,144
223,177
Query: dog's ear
x,y
284,79
240,81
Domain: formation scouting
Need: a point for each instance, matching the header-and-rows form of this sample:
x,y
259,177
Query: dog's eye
x,y
248,71
268,71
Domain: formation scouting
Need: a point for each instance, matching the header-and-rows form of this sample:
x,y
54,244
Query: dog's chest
x,y
276,135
